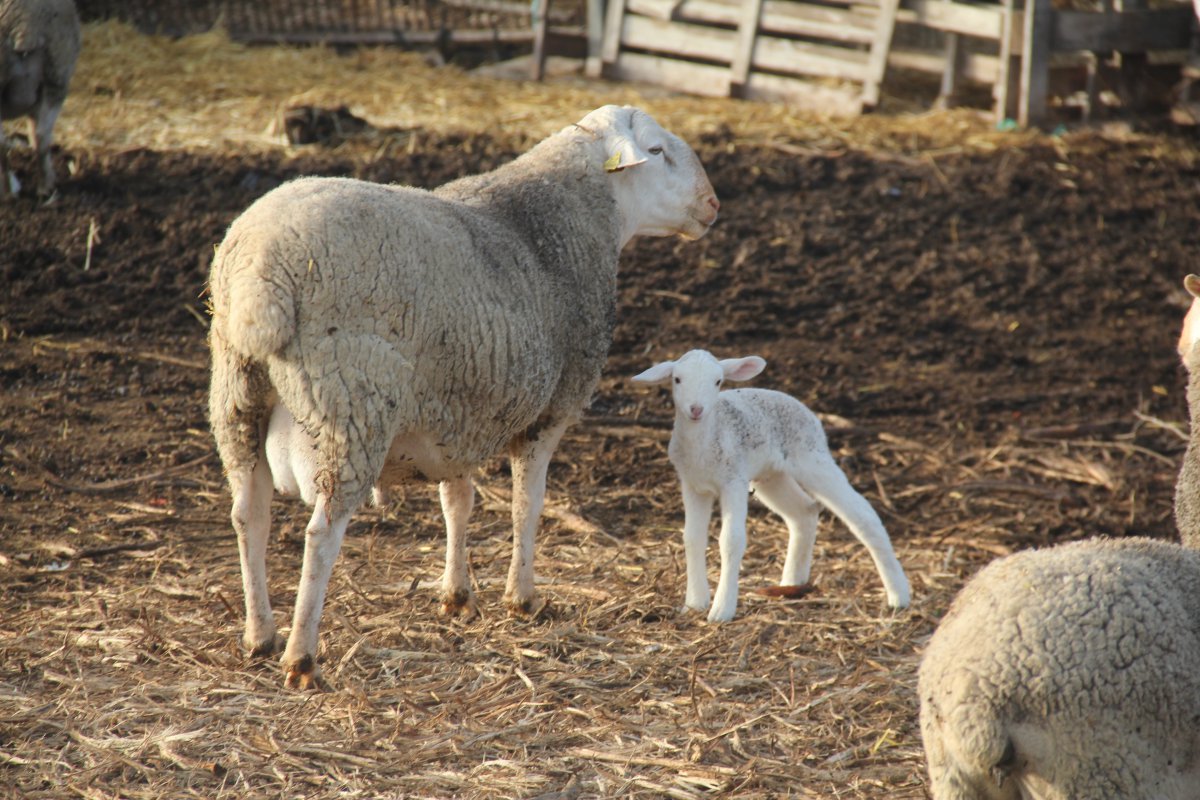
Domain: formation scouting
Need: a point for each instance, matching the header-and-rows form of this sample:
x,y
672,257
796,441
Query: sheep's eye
x,y
677,380
656,150
719,381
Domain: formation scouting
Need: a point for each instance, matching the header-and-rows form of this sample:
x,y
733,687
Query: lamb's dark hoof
x,y
303,675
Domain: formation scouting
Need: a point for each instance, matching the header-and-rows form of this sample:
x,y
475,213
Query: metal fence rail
x,y
338,21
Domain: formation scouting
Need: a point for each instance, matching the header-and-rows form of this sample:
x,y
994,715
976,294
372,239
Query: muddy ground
x,y
990,334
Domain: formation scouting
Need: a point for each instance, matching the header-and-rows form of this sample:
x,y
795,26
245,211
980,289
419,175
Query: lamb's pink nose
x,y
714,203
695,411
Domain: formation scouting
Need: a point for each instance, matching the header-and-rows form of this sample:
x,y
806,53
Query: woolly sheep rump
x,y
1070,672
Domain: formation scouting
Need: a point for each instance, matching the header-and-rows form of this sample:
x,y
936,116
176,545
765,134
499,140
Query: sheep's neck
x,y
692,440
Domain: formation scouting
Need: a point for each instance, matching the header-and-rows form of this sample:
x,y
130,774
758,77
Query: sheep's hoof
x,y
530,607
460,604
266,649
303,674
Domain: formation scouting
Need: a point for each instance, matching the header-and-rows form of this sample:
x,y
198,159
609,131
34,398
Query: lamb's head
x,y
1191,323
659,184
697,377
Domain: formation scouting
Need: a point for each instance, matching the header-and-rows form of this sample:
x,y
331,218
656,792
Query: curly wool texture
x,y
473,315
1067,673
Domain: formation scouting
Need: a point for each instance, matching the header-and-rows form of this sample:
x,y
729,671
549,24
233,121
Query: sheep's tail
x,y
259,313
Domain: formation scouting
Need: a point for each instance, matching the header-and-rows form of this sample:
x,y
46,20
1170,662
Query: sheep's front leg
x,y
529,465
458,498
42,130
800,511
251,516
697,512
322,543
734,502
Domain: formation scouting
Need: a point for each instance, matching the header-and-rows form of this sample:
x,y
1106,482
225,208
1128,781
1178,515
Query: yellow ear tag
x,y
613,164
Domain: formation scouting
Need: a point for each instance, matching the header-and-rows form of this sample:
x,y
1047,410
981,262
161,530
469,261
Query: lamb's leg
x,y
322,543
784,496
458,497
42,130
697,512
529,464
823,479
251,515
734,502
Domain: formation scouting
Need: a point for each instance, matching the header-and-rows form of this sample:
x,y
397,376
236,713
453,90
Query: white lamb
x,y
363,335
1068,673
724,444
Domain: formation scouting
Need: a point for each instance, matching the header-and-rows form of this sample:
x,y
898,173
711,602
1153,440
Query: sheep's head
x,y
697,377
1191,323
659,184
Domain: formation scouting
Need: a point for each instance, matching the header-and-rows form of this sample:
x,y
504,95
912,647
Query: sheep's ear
x,y
623,151
659,373
742,369
1192,284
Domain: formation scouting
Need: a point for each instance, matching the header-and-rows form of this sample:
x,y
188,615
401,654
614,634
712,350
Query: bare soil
x,y
989,334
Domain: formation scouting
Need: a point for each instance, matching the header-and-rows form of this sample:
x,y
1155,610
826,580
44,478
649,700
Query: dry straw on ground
x,y
120,672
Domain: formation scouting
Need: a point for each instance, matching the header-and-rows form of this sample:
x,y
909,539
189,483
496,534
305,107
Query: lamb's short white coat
x,y
726,443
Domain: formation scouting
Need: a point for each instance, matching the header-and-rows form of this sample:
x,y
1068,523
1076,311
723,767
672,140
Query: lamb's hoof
x,y
267,649
303,674
530,607
460,604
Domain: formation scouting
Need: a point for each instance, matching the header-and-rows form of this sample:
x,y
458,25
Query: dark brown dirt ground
x,y
996,329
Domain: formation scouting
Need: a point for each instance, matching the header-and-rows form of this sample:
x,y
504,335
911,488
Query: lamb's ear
x,y
1192,284
659,373
742,369
623,151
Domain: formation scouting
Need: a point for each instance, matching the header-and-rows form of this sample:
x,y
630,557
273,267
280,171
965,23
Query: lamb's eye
x,y
719,381
656,150
677,380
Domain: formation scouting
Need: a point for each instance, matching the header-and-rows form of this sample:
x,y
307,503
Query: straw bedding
x,y
986,321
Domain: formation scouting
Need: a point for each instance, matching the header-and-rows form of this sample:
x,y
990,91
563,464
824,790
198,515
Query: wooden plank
x,y
541,17
885,26
777,16
707,80
612,31
971,20
1007,87
718,45
1035,62
743,50
1126,32
973,66
593,65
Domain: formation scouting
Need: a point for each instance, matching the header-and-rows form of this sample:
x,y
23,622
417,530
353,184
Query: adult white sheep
x,y
1187,486
724,444
1068,673
39,43
366,334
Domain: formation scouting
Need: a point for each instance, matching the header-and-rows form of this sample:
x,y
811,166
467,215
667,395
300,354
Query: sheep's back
x,y
458,325
49,27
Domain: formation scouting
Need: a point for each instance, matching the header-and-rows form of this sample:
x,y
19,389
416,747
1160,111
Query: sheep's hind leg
x,y
251,514
824,480
458,497
322,543
784,496
529,465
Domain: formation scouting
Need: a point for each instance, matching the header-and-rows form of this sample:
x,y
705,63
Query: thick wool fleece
x,y
1187,487
476,315
1070,672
